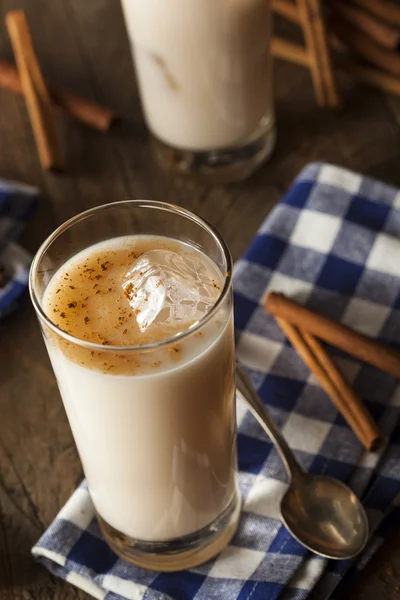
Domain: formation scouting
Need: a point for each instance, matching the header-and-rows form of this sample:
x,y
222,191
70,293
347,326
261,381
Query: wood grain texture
x,y
83,47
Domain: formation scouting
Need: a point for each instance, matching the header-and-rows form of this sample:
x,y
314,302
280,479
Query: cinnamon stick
x,y
384,9
371,76
382,33
313,52
323,55
371,351
289,51
351,406
71,105
344,398
36,95
287,9
366,48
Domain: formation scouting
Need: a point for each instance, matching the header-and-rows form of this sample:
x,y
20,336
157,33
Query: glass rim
x,y
152,204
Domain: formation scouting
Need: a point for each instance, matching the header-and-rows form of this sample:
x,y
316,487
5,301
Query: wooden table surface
x,y
83,46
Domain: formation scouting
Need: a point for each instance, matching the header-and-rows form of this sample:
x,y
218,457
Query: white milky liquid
x,y
203,68
155,432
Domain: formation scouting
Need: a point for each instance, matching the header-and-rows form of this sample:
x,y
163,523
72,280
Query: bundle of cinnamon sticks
x,y
315,54
366,37
26,79
304,328
363,34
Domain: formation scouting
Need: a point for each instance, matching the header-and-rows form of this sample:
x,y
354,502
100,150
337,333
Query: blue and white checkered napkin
x,y
334,244
17,202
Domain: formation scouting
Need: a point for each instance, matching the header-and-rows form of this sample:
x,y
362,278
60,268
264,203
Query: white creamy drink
x,y
155,428
204,69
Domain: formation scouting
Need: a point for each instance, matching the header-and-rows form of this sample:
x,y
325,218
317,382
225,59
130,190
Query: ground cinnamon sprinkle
x,y
94,307
128,290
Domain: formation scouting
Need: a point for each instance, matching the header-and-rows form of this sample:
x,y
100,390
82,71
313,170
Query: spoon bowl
x,y
324,515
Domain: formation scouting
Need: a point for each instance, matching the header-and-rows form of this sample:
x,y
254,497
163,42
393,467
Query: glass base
x,y
219,166
178,554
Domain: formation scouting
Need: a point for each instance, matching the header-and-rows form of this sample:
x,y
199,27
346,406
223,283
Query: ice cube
x,y
167,287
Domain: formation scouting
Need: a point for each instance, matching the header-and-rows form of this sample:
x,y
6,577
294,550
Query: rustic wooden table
x,y
83,46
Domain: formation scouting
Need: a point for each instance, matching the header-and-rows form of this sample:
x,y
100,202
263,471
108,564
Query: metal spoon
x,y
321,512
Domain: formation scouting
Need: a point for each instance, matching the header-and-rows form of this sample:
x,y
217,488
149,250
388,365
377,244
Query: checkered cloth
x,y
17,202
333,243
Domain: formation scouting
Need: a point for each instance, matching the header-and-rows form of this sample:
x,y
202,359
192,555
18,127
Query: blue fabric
x,y
333,243
17,203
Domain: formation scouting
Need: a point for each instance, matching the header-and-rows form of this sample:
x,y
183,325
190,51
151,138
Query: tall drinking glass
x,y
204,70
154,422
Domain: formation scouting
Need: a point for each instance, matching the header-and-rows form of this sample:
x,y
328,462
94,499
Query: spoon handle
x,y
255,404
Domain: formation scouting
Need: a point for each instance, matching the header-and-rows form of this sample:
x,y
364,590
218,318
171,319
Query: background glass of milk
x,y
204,72
159,448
